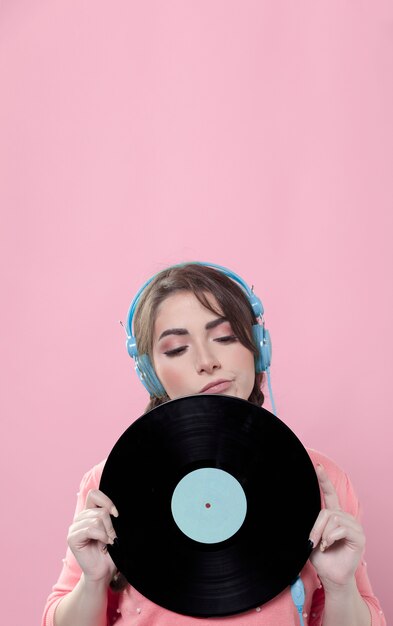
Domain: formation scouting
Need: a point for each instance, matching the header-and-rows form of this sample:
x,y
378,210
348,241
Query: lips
x,y
217,386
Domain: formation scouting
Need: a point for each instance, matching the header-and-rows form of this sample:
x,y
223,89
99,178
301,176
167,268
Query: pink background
x,y
133,135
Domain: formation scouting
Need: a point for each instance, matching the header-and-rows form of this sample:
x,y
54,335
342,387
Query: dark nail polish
x,y
310,544
116,542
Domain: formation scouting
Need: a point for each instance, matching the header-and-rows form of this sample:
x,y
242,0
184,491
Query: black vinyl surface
x,y
283,500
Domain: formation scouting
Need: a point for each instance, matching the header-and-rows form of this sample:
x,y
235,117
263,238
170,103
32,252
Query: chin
x,y
235,394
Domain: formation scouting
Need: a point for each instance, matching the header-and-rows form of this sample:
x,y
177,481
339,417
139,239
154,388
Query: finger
x,y
329,493
352,537
339,518
96,498
319,526
93,514
79,538
327,521
324,518
333,524
85,524
109,527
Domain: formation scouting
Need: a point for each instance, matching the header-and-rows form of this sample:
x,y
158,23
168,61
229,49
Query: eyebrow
x,y
184,331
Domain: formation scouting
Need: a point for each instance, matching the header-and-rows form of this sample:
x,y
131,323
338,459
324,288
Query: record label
x,y
209,505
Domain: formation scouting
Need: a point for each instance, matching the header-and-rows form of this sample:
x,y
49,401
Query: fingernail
x,y
310,544
114,511
116,542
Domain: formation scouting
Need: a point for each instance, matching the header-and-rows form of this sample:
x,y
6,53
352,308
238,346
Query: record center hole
x,y
208,505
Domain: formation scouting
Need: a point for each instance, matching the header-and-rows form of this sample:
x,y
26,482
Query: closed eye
x,y
182,349
226,339
176,351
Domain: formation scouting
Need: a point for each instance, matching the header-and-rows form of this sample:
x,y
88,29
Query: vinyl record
x,y
216,499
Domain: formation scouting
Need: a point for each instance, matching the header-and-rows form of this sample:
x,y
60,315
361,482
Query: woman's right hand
x,y
89,535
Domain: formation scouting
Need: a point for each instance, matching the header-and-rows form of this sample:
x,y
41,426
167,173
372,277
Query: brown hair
x,y
201,280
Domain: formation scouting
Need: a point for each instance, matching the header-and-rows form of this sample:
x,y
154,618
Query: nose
x,y
206,360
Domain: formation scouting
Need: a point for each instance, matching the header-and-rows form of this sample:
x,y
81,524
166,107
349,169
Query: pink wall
x,y
258,135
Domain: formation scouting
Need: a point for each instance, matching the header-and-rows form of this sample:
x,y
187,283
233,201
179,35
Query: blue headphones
x,y
261,336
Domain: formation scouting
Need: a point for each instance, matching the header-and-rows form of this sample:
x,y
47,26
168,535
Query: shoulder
x,y
342,484
90,480
331,467
92,477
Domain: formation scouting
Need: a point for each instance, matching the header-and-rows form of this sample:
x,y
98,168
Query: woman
x,y
195,327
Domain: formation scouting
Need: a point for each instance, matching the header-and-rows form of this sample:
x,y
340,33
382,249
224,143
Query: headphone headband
x,y
255,302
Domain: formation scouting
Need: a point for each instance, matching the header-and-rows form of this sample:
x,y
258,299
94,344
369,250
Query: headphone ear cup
x,y
131,346
148,377
262,341
144,369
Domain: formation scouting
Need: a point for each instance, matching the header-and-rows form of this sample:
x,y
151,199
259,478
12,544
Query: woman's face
x,y
195,350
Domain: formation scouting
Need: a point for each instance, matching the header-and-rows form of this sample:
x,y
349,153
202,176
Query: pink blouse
x,y
130,608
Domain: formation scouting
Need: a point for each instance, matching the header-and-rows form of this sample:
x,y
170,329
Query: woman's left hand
x,y
338,540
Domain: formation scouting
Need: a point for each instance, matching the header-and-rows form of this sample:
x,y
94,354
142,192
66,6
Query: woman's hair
x,y
202,281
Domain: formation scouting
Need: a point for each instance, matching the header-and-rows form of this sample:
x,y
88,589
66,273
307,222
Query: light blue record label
x,y
209,505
